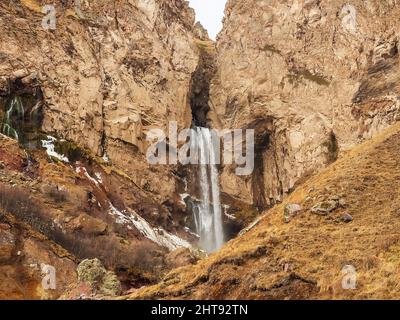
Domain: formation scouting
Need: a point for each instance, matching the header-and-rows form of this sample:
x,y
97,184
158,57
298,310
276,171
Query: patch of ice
x,y
83,170
183,197
105,157
98,177
157,235
229,216
191,232
50,149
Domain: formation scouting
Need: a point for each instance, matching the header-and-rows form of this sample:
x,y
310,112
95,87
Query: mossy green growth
x,y
92,272
111,286
69,149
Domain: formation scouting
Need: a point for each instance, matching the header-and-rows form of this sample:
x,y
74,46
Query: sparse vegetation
x,y
332,146
57,194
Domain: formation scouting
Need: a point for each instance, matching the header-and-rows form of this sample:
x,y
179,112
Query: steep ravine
x,y
318,81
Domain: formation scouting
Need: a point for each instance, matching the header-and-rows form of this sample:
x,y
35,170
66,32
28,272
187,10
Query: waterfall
x,y
14,109
208,213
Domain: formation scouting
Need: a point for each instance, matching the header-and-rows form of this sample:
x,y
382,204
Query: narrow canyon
x,y
317,82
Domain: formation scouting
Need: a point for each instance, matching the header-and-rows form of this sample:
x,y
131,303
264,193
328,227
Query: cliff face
x,y
313,78
107,73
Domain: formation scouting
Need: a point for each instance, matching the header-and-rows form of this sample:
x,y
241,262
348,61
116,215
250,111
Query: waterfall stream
x,y
208,213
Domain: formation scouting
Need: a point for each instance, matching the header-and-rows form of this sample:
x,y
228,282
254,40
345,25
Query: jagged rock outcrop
x,y
200,32
108,73
313,78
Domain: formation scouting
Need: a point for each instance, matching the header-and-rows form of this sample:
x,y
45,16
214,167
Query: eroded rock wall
x,y
108,72
313,78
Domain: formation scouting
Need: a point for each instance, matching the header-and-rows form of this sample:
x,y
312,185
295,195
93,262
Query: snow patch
x,y
157,235
50,149
192,233
83,170
230,216
183,197
98,177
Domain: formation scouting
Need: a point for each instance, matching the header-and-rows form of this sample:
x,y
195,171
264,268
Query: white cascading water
x,y
208,216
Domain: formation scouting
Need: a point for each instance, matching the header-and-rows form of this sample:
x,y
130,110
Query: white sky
x,y
210,13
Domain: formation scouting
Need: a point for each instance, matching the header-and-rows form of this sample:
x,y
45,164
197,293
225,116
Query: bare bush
x,y
57,194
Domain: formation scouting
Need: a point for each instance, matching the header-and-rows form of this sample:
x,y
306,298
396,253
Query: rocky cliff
x,y
79,94
313,78
82,82
107,73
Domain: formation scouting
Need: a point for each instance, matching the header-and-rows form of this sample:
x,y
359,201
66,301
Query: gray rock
x,y
325,207
92,272
347,218
291,210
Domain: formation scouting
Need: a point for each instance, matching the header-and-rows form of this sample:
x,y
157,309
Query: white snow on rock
x,y
98,177
230,216
83,170
157,235
192,233
184,196
50,149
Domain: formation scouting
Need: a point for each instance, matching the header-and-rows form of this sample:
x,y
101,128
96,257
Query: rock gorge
x,y
318,82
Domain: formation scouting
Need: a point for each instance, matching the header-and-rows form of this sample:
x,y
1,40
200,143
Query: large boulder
x,y
101,281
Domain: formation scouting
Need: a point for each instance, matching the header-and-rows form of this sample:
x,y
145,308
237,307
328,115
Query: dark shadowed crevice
x,y
263,133
258,185
200,83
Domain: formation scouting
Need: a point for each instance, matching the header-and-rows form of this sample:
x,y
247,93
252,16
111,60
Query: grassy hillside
x,y
304,258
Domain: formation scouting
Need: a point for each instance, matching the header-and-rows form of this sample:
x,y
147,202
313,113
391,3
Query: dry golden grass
x,y
32,5
303,259
208,45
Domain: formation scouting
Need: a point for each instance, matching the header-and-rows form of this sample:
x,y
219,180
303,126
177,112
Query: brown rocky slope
x,y
302,256
109,72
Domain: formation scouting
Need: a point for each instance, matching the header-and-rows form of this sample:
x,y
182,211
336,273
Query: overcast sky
x,y
210,13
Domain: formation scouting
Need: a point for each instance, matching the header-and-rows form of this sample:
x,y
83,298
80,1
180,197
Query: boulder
x,y
347,218
291,210
93,273
325,207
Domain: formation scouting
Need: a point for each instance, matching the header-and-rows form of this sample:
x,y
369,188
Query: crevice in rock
x,y
200,83
263,135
